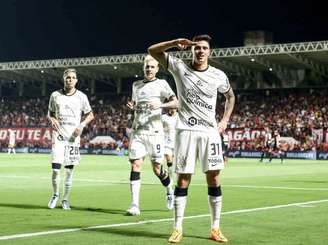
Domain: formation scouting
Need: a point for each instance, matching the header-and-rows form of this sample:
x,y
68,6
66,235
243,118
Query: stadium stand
x,y
265,78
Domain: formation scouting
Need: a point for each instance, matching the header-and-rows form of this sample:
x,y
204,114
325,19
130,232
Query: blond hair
x,y
68,71
149,58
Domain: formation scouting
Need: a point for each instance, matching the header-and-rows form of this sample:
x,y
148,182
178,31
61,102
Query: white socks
x,y
179,208
215,205
56,180
68,178
135,191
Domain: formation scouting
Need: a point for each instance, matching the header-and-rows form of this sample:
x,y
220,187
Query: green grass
x,y
101,194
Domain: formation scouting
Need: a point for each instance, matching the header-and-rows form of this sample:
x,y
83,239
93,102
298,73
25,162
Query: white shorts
x,y
169,146
64,152
197,145
143,144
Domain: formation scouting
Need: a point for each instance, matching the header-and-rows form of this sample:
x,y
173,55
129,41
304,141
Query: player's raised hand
x,y
78,131
154,105
130,105
222,126
183,43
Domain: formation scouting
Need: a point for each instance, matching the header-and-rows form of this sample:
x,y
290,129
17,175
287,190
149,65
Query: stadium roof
x,y
285,61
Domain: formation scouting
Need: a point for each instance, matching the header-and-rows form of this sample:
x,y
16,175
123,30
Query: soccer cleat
x,y
65,205
217,235
53,201
170,201
133,210
176,236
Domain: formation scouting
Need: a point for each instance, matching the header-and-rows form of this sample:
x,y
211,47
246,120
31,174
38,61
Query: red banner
x,y
27,134
241,134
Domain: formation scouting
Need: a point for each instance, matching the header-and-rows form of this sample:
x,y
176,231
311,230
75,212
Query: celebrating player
x,y
65,109
147,137
197,135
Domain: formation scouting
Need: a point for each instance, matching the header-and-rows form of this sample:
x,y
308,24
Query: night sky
x,y
46,29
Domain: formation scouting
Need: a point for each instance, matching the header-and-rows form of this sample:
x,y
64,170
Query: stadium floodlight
x,y
270,69
115,67
42,71
252,59
136,75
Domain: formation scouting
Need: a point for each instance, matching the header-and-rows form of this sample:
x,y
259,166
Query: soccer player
x,y
65,109
12,141
275,146
266,143
169,120
197,132
147,136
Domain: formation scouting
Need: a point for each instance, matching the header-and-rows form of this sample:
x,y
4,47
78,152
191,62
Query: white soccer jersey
x,y
148,121
169,123
68,110
12,138
197,94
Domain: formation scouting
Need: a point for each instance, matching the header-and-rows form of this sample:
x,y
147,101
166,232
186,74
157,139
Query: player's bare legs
x,y
164,177
169,164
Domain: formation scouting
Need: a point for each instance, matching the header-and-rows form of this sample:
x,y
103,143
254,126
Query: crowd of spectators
x,y
294,113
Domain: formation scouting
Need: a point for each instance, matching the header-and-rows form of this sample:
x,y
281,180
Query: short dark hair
x,y
203,37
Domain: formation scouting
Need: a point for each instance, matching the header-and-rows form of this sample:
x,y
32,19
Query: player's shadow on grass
x,y
77,208
99,210
135,233
30,206
23,206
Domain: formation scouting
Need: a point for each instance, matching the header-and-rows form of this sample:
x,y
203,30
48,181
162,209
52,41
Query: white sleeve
x,y
133,93
172,63
224,84
167,91
86,108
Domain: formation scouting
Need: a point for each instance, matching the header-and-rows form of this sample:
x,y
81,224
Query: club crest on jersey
x,y
181,162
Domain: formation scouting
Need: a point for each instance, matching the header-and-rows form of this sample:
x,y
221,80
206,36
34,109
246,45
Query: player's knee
x,y
164,177
68,176
214,191
134,176
180,192
55,166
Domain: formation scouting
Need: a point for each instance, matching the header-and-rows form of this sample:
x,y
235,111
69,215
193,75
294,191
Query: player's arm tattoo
x,y
229,104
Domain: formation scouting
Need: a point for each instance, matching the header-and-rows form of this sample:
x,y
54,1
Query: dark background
x,y
46,29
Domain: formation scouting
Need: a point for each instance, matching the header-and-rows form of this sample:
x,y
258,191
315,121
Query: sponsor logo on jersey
x,y
199,83
194,98
214,161
192,121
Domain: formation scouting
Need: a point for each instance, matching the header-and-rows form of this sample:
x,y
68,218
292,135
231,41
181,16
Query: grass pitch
x,y
274,204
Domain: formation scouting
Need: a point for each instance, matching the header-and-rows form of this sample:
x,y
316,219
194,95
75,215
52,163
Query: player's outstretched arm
x,y
158,50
